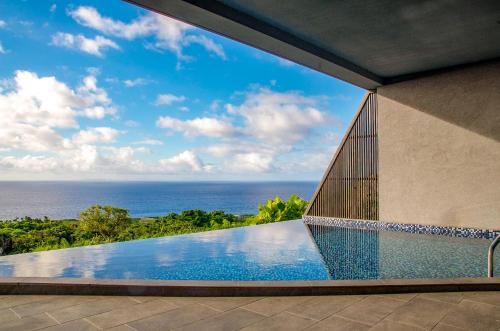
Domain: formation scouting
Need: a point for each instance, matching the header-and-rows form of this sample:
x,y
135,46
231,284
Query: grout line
x,y
208,306
92,323
453,326
12,310
252,311
301,316
52,317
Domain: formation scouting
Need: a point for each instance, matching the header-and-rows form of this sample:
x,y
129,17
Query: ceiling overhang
x,y
367,43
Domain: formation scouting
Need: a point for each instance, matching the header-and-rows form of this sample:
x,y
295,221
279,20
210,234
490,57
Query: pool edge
x,y
74,286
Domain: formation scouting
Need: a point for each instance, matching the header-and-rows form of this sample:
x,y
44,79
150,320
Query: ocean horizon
x,y
66,199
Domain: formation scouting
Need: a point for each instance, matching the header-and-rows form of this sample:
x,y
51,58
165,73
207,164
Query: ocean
x,y
60,200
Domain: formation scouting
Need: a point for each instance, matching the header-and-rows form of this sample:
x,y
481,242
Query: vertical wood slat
x,y
349,188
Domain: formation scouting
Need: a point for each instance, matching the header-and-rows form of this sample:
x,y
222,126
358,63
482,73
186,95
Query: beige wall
x,y
439,145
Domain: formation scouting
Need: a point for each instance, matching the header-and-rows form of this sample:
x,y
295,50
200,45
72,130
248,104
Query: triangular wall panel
x,y
349,188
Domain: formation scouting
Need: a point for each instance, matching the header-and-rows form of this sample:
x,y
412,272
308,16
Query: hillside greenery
x,y
105,224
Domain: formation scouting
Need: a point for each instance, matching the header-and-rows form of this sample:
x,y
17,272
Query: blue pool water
x,y
263,252
279,251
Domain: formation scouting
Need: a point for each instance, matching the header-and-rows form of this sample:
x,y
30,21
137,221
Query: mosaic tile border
x,y
401,227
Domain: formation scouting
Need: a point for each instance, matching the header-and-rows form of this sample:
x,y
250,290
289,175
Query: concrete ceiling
x,y
368,43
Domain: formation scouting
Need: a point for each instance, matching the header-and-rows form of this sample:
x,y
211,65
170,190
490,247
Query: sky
x,y
105,90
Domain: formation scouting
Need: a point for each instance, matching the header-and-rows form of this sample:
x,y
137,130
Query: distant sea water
x,y
59,200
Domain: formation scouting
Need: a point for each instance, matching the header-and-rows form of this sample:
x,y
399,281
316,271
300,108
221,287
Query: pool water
x,y
373,254
263,252
279,251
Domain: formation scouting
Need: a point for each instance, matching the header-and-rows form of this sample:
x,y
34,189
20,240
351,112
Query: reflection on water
x,y
369,254
279,251
348,253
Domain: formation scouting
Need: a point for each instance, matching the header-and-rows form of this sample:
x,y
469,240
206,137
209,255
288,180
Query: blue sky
x,y
104,90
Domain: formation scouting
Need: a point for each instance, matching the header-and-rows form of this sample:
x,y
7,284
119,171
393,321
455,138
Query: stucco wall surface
x,y
439,149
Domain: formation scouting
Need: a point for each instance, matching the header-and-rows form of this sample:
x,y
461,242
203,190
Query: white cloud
x,y
96,135
32,107
135,82
168,99
207,43
53,8
185,161
152,142
200,126
278,117
80,42
252,162
3,24
2,49
271,117
29,163
184,109
169,33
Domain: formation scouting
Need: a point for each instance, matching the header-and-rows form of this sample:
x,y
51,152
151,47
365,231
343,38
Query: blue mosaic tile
x,y
401,227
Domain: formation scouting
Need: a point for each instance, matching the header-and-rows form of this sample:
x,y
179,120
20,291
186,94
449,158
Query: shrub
x,y
105,222
277,210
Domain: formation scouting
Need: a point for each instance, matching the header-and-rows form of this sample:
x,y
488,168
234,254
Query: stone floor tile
x,y
371,310
131,313
388,325
280,322
77,325
231,320
336,323
29,323
226,303
63,301
174,318
323,306
273,305
493,297
421,312
91,308
7,315
449,297
9,301
474,316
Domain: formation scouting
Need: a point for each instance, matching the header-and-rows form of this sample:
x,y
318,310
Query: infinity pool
x,y
279,251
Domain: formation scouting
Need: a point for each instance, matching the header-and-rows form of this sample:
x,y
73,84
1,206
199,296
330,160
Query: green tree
x,y
277,210
105,222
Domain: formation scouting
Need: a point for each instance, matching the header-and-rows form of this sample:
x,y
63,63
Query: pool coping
x,y
188,288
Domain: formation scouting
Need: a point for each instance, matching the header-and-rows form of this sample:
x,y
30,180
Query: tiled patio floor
x,y
436,311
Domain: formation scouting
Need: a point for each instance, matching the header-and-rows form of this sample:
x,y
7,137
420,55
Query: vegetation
x,y
105,224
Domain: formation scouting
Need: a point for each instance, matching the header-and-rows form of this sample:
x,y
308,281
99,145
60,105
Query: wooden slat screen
x,y
349,188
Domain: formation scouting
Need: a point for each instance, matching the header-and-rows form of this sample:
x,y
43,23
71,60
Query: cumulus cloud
x,y
93,46
96,135
2,49
200,126
275,117
32,107
185,161
250,162
168,33
168,99
279,117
